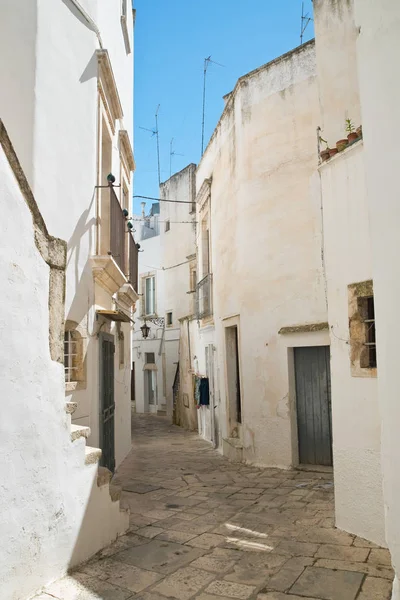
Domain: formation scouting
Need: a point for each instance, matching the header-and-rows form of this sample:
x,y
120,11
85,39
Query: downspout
x,y
89,20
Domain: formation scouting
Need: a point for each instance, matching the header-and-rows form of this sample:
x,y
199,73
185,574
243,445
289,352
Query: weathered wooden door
x,y
313,399
107,403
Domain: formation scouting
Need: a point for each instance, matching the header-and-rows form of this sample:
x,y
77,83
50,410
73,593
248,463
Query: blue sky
x,y
172,38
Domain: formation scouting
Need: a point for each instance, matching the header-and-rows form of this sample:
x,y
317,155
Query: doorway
x,y
233,376
107,403
313,405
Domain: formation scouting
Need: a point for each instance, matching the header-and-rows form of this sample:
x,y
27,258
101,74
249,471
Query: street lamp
x,y
145,329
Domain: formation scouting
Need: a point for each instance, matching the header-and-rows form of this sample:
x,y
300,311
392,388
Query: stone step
x,y
70,407
92,455
104,477
78,431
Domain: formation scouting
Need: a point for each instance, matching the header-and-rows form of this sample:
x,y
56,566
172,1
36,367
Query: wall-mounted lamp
x,y
145,329
110,178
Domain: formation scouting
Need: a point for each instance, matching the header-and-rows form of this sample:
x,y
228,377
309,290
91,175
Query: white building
x,y
167,278
66,101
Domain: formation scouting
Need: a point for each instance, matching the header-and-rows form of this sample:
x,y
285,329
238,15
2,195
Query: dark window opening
x,y
367,312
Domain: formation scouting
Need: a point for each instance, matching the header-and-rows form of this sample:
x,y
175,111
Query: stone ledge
x,y
307,328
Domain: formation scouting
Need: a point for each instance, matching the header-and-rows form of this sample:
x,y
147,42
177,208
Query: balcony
x,y
204,306
115,268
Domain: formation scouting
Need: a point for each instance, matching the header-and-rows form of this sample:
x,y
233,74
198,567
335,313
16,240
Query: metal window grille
x,y
370,334
70,357
117,231
133,262
150,358
204,297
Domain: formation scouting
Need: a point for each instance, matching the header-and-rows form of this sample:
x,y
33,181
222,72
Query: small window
x,y
367,311
149,295
167,225
169,319
70,357
150,358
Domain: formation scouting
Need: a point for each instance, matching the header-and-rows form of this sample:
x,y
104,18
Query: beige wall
x,y
266,240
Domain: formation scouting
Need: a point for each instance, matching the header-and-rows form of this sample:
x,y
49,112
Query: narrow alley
x,y
203,527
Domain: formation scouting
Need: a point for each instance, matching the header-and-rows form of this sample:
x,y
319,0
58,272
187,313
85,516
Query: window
x,y
74,362
169,319
367,312
149,295
70,357
363,360
150,358
167,225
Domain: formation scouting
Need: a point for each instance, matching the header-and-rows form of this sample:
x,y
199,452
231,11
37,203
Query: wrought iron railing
x,y
133,262
204,306
117,231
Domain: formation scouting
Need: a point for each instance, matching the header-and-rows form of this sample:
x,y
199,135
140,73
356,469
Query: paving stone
x,y
230,590
184,583
336,552
296,548
204,596
219,561
159,556
369,569
286,577
180,537
140,520
380,557
361,543
255,569
321,535
280,596
206,540
375,589
139,488
328,584
150,531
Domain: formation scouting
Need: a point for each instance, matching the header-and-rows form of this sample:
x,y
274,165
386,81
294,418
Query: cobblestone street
x,y
202,527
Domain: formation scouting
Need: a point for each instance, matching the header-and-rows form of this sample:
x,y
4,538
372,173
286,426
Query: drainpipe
x,y
89,20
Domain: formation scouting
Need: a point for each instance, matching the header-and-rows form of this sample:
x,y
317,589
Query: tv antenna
x,y
305,21
207,62
171,154
155,132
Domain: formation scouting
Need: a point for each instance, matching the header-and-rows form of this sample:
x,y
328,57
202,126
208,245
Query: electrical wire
x,y
167,268
163,199
158,221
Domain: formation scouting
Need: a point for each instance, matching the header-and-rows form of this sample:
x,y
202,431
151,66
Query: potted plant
x,y
359,132
324,154
333,151
342,144
352,135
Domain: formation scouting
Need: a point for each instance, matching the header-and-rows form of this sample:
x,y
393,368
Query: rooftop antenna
x,y
155,132
305,21
207,62
171,154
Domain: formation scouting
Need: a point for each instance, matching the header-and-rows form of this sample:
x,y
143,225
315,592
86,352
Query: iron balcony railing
x,y
117,231
133,262
204,306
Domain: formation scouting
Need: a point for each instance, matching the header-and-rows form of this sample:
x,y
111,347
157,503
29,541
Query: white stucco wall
x,y
150,263
177,245
355,410
55,132
50,505
377,46
335,38
266,240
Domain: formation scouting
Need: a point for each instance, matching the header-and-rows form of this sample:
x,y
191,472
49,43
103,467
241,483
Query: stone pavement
x,y
206,529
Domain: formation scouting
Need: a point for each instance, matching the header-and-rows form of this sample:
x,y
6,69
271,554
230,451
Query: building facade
x,y
66,108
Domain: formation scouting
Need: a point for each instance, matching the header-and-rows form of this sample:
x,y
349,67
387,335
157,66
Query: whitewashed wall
x,y
177,245
51,505
355,409
266,241
55,134
377,47
150,263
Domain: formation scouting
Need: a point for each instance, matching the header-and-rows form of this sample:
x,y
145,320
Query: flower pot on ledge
x,y
333,151
341,145
325,154
352,137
